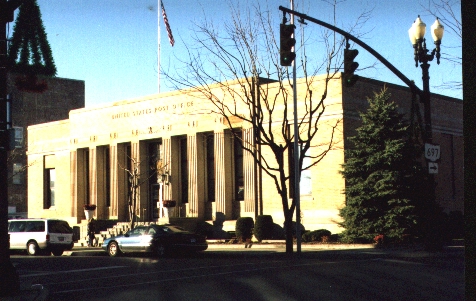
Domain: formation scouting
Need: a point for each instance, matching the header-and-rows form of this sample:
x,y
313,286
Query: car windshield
x,y
137,231
59,227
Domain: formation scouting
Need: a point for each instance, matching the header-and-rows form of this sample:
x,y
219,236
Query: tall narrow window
x,y
183,169
129,167
83,175
154,156
18,137
305,183
107,159
17,173
238,161
50,178
88,176
210,141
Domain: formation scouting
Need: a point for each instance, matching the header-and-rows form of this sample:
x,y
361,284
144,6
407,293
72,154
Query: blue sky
x,y
112,44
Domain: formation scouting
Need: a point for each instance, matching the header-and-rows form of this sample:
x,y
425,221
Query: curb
x,y
85,251
409,252
283,246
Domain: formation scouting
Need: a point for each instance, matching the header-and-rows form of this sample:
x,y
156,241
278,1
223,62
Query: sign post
x,y
432,154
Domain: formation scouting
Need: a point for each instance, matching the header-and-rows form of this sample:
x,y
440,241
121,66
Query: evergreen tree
x,y
382,175
29,52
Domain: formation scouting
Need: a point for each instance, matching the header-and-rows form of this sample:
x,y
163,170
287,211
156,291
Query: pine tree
x,y
382,175
29,52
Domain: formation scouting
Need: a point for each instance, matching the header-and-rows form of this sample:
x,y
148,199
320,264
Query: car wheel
x,y
160,250
57,252
32,248
113,249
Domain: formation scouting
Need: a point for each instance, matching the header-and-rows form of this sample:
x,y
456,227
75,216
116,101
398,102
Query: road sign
x,y
432,152
432,168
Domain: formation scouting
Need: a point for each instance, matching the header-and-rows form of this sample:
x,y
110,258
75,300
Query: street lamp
x,y
416,34
421,55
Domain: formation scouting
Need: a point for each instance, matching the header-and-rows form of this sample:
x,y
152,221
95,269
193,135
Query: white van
x,y
40,236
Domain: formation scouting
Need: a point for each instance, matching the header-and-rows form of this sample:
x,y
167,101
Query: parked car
x,y
158,239
40,236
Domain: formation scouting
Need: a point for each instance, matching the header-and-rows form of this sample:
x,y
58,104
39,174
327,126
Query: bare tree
x,y
449,13
238,70
136,178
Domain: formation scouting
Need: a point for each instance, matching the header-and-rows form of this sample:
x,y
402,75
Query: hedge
x,y
244,228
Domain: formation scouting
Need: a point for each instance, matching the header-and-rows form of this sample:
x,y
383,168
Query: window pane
x,y
238,156
305,186
57,226
52,185
210,168
17,173
35,226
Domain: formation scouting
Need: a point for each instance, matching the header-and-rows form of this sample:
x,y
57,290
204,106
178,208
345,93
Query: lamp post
x,y
417,34
421,55
9,280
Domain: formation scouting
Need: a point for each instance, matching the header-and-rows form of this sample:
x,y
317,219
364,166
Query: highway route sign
x,y
432,152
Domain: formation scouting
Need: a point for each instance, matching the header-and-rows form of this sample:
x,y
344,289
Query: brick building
x,y
83,159
62,96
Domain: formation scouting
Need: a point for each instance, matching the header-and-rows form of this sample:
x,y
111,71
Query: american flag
x,y
167,26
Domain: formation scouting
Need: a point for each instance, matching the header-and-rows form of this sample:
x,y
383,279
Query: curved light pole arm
x,y
348,36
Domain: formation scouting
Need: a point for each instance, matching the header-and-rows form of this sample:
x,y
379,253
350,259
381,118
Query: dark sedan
x,y
158,239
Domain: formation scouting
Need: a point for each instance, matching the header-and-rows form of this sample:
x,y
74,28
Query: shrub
x,y
316,235
277,232
294,224
334,238
244,228
205,229
263,227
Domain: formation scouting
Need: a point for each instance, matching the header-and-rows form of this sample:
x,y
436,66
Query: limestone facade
x,y
86,159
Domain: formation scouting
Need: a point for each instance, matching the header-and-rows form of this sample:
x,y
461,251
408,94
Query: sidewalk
x,y
218,244
415,251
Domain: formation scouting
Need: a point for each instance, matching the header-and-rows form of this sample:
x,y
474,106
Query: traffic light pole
x,y
297,169
9,280
348,36
424,95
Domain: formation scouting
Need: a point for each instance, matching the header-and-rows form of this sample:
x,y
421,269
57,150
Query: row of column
x,y
92,168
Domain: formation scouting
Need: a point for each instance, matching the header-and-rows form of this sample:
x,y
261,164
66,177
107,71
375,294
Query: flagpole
x,y
159,8
169,34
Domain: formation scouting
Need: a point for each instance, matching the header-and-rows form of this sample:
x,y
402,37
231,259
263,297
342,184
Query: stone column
x,y
196,177
93,177
101,211
223,174
120,200
74,185
81,181
113,208
249,175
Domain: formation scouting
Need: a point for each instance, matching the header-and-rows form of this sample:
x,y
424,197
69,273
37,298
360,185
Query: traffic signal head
x,y
287,43
350,66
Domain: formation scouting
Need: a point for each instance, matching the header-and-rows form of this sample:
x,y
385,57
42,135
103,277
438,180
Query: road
x,y
247,274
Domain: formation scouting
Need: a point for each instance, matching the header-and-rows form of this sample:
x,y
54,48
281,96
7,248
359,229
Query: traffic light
x,y
350,66
286,51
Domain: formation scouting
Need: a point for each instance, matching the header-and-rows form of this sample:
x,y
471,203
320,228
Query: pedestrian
x,y
91,232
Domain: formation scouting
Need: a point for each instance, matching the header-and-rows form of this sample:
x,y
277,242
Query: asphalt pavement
x,y
38,293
